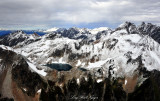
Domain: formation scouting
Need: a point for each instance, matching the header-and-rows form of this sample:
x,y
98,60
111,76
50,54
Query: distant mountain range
x,y
6,32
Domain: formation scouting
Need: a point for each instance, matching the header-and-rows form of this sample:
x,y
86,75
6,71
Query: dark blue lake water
x,y
59,66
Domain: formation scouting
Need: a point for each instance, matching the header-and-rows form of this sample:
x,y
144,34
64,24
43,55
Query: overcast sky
x,y
34,14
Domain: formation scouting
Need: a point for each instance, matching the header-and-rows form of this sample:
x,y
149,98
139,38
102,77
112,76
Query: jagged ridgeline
x,y
82,64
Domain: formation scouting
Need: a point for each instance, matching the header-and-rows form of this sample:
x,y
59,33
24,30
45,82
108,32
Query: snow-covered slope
x,y
32,67
124,50
119,51
6,47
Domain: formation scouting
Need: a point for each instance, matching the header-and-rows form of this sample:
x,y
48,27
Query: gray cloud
x,y
49,13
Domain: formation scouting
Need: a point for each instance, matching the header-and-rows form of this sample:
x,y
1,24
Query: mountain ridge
x,y
122,64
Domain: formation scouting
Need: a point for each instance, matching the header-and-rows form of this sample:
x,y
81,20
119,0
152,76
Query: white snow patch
x,y
96,64
86,78
31,37
6,47
33,67
155,56
60,61
99,80
96,30
78,81
125,82
61,85
25,89
39,91
79,63
52,29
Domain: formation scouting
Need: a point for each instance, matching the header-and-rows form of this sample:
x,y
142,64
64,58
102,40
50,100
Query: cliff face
x,y
18,82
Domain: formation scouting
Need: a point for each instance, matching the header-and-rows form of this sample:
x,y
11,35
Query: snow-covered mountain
x,y
18,38
122,51
126,47
99,62
80,33
145,29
